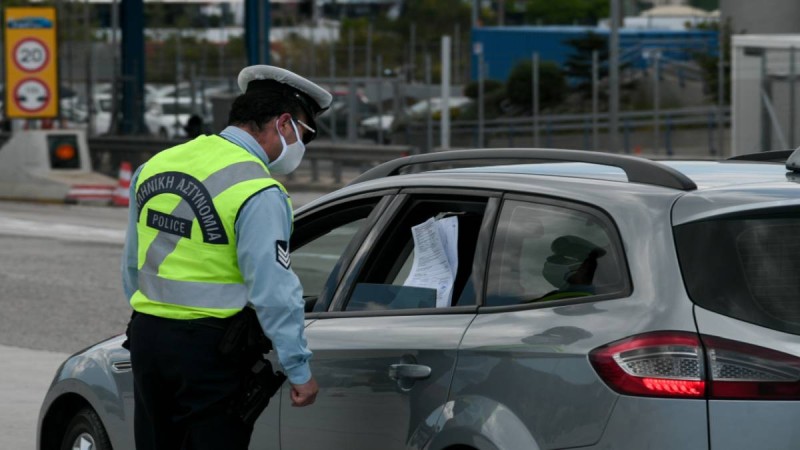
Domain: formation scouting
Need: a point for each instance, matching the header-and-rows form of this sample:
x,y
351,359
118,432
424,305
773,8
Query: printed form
x,y
435,258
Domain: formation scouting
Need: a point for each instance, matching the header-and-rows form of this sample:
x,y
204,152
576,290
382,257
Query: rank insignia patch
x,y
282,254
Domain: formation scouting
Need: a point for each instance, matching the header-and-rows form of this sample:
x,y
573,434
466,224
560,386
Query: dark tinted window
x,y
745,267
547,252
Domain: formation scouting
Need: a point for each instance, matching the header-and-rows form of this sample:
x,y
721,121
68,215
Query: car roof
x,y
705,174
692,189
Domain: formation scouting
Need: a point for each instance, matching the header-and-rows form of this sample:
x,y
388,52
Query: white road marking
x,y
31,228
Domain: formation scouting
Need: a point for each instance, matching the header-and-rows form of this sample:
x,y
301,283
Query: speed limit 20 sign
x,y
31,73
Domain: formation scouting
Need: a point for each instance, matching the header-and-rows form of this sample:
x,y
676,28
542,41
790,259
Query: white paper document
x,y
435,257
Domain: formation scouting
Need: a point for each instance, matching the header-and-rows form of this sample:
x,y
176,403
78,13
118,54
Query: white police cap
x,y
311,90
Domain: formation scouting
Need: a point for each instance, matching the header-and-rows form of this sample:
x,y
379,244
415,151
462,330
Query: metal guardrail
x,y
108,151
550,125
578,122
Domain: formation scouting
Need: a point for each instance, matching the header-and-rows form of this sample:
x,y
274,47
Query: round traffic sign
x,y
31,55
31,95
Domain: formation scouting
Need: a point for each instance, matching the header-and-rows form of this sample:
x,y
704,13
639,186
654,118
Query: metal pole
x,y
333,82
720,92
481,75
475,13
87,41
315,27
792,100
368,70
445,121
379,64
429,112
656,103
351,94
114,125
766,133
595,97
178,73
613,78
412,56
535,98
224,36
457,54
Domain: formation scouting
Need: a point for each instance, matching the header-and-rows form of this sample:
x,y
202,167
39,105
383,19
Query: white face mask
x,y
290,156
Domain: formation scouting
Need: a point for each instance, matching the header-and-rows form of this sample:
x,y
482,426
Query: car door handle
x,y
413,371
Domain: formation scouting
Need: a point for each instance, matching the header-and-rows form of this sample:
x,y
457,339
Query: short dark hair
x,y
255,108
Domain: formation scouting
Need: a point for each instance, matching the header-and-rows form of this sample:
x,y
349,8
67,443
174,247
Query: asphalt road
x,y
60,291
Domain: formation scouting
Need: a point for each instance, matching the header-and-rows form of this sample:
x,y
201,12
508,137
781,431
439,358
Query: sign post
x,y
31,69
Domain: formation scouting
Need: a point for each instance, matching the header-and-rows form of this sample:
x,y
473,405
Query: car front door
x,y
324,239
384,353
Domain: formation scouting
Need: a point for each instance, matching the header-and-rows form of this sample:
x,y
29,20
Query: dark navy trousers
x,y
183,387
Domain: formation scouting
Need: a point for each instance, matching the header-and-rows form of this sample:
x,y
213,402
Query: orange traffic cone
x,y
121,194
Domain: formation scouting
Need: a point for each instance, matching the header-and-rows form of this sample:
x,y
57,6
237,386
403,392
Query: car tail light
x,y
677,364
661,364
745,371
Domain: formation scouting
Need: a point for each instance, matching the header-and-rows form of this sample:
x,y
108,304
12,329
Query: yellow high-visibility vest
x,y
187,200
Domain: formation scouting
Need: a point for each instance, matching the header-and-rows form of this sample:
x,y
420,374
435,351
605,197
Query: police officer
x,y
208,235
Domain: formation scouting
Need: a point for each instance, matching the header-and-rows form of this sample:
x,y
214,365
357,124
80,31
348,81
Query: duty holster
x,y
245,344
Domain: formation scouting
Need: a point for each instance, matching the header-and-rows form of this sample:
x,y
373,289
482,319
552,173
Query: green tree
x,y
579,63
709,64
708,5
552,85
566,12
494,94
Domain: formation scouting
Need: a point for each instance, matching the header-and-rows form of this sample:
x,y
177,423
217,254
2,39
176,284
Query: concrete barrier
x,y
51,165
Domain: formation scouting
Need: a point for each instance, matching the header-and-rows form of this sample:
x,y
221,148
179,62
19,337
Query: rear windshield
x,y
746,267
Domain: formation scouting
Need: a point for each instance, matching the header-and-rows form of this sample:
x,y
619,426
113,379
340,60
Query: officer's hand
x,y
304,394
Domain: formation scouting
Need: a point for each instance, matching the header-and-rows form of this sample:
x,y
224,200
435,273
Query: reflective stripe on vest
x,y
165,243
192,293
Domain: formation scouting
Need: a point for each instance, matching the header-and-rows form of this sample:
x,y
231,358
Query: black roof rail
x,y
770,156
638,170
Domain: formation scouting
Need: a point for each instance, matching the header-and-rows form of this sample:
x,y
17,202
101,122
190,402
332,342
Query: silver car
x,y
595,301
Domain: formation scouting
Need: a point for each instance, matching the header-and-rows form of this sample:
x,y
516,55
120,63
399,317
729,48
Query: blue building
x,y
504,47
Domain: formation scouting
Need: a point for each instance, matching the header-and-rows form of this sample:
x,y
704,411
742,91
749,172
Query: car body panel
x,y
109,392
693,207
751,424
360,406
657,424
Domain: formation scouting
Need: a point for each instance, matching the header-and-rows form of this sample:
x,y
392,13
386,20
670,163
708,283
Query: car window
x,y
745,266
545,252
319,242
443,251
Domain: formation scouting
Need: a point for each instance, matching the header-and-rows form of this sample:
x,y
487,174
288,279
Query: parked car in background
x,y
102,116
388,123
339,112
171,115
568,300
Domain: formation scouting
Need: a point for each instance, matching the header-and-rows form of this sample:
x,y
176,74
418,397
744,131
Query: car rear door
x,y
564,280
384,353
